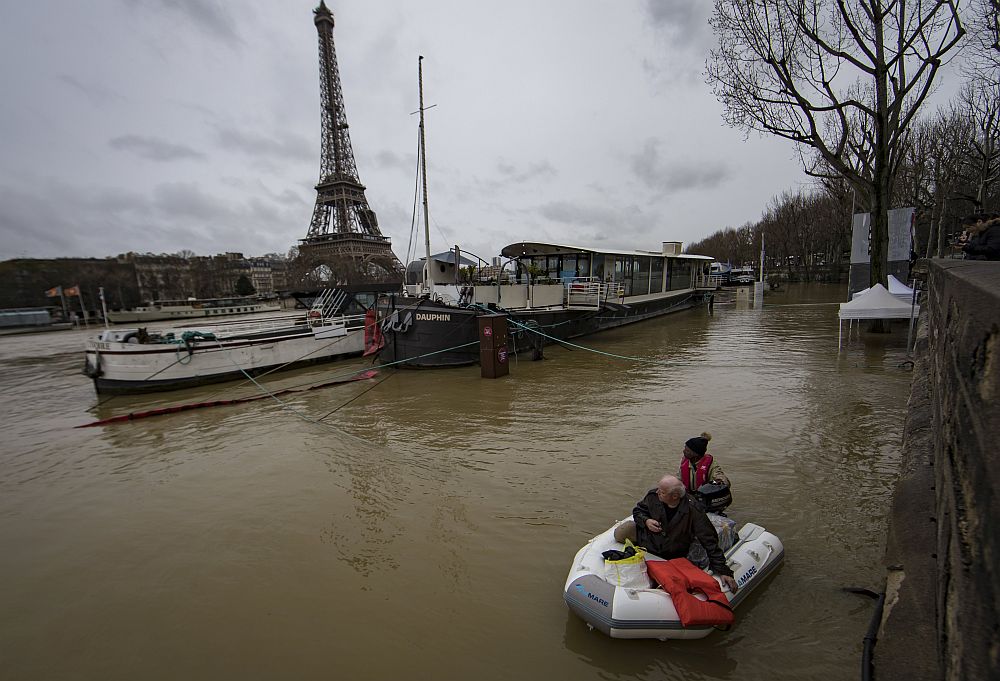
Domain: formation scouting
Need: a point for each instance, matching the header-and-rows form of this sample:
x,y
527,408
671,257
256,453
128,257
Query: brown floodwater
x,y
421,524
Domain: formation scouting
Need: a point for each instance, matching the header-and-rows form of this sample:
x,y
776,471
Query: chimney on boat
x,y
672,247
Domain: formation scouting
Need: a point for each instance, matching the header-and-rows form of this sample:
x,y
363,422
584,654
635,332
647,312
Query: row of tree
x,y
847,82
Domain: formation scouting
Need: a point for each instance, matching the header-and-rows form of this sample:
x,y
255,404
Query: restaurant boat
x,y
191,308
549,293
140,360
623,612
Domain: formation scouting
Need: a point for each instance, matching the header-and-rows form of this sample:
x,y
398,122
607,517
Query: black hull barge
x,y
580,292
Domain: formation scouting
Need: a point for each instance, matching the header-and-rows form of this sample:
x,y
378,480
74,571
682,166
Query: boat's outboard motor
x,y
714,497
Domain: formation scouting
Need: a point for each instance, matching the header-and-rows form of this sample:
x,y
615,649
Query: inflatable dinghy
x,y
622,612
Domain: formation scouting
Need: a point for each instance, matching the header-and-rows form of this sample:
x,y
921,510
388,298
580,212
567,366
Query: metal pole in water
x,y
104,307
758,287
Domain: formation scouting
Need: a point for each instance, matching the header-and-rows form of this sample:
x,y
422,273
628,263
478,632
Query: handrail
x,y
224,331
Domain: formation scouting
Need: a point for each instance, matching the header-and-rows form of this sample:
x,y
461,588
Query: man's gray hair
x,y
672,485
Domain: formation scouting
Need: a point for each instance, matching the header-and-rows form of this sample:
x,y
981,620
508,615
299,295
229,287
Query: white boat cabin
x,y
635,273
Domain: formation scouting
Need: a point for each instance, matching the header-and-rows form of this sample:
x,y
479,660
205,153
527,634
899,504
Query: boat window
x,y
552,267
568,270
680,271
640,276
656,275
623,273
583,265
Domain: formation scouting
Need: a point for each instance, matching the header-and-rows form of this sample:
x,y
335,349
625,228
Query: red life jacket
x,y
680,577
701,471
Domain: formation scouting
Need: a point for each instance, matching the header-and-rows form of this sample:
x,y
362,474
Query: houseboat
x,y
142,360
549,293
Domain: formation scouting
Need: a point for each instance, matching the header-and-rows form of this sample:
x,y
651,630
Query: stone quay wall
x,y
942,607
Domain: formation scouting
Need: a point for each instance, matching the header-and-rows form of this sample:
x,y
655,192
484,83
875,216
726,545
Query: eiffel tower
x,y
344,233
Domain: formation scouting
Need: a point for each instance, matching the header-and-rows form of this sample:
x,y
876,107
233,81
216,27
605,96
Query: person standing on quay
x,y
698,466
981,238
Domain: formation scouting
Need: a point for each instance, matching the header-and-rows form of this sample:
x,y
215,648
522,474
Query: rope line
x,y
371,387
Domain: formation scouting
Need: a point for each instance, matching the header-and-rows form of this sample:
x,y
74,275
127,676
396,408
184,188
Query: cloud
x,y
187,200
685,21
98,94
210,16
99,221
507,175
614,226
280,145
684,40
511,174
661,175
575,213
29,223
390,160
255,186
153,149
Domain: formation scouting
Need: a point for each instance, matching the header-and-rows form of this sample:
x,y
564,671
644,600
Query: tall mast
x,y
428,268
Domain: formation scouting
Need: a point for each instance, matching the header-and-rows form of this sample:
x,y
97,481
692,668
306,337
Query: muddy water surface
x,y
421,524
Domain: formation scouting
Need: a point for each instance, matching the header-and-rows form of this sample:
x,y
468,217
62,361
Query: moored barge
x,y
552,293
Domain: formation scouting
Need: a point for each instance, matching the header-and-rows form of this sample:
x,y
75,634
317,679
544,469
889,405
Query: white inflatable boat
x,y
649,613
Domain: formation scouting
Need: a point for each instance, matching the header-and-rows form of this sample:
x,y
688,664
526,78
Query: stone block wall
x,y
963,364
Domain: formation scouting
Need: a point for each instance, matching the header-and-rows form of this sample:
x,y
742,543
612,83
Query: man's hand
x,y
654,526
730,582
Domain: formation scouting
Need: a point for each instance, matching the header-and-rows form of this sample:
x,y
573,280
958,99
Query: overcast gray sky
x,y
162,125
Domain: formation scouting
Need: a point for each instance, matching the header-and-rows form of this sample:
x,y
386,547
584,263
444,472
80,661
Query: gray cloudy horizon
x,y
169,125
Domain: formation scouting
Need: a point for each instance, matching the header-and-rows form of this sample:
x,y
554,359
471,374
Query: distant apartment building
x,y
261,275
229,267
279,272
161,277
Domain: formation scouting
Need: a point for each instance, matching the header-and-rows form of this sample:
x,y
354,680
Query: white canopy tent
x,y
896,288
876,303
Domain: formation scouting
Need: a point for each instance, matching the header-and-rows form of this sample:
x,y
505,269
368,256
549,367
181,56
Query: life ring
x,y
315,314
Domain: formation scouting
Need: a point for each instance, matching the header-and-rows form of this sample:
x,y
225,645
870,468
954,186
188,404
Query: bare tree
x,y
928,174
844,79
980,104
984,28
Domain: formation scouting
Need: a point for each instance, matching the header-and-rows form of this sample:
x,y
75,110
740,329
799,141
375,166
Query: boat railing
x,y
327,304
589,291
223,330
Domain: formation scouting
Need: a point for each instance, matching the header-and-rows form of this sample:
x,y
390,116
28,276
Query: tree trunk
x,y
940,233
882,180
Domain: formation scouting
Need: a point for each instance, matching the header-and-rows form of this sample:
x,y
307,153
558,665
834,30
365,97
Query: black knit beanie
x,y
698,445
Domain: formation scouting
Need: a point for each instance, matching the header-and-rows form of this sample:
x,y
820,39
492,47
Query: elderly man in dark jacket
x,y
666,522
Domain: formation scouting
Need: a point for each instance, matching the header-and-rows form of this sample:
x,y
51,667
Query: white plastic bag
x,y
628,571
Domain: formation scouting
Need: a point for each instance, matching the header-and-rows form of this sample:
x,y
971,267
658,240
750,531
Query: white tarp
x,y
900,230
877,303
896,288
